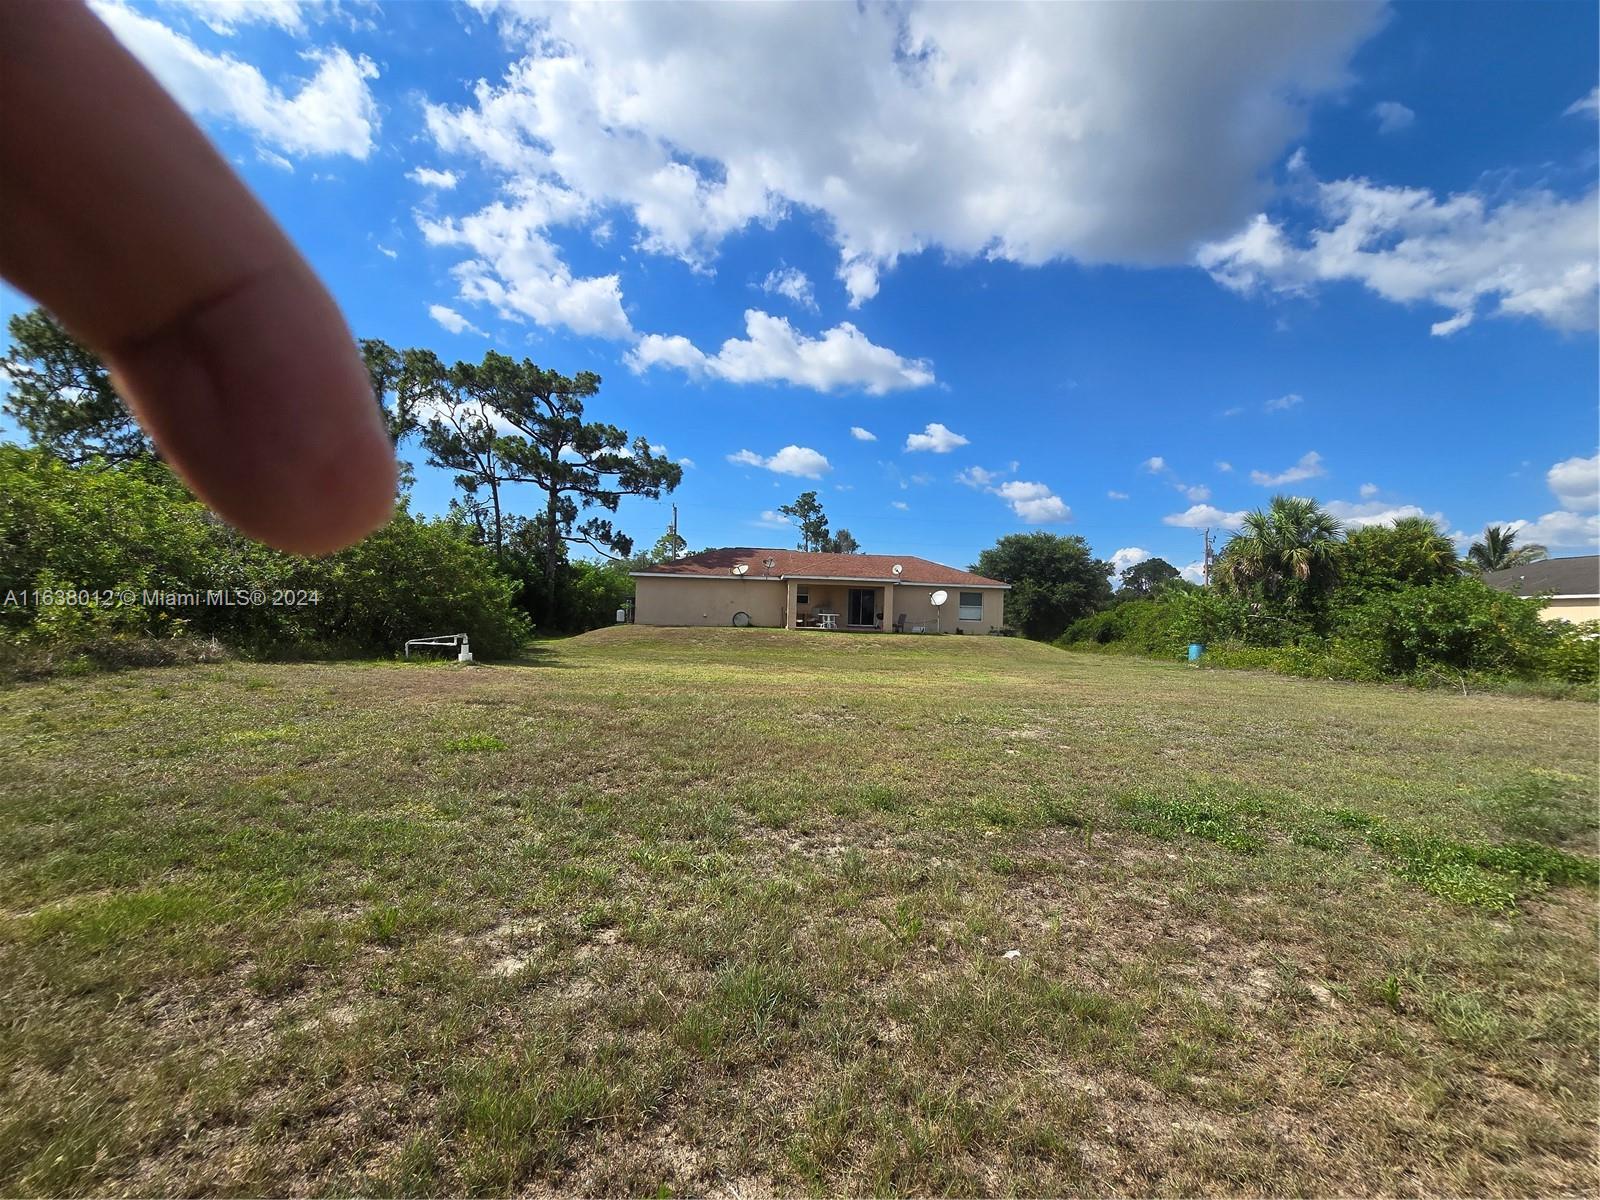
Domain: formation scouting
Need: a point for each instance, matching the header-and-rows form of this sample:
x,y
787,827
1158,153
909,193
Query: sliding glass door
x,y
862,608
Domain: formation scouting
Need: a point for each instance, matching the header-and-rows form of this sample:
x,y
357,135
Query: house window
x,y
971,606
802,596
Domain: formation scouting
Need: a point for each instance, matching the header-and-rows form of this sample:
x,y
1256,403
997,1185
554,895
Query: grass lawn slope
x,y
748,912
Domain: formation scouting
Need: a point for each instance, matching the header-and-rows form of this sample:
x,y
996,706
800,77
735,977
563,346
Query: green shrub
x,y
1312,658
96,533
1573,653
1461,623
1161,626
1455,632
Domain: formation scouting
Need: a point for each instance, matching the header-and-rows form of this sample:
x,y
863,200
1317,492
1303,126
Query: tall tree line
x,y
497,426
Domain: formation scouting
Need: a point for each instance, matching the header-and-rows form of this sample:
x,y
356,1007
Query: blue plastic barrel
x,y
1195,650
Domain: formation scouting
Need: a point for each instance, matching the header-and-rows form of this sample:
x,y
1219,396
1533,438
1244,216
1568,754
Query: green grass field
x,y
741,912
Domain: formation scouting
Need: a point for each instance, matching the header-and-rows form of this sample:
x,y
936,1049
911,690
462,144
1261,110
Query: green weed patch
x,y
1485,876
473,743
1209,817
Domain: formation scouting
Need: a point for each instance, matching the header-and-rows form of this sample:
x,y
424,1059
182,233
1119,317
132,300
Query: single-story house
x,y
1570,587
798,590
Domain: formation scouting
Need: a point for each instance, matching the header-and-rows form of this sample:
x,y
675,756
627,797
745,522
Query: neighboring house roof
x,y
798,564
1571,577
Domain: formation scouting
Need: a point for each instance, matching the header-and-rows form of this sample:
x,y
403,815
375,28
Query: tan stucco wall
x,y
697,600
1575,611
912,599
691,601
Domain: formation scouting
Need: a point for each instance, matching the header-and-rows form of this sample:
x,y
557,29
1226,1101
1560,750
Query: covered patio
x,y
839,604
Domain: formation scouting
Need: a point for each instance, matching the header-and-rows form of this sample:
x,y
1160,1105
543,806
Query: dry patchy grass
x,y
742,912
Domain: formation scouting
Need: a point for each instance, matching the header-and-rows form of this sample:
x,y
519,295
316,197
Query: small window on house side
x,y
801,596
971,606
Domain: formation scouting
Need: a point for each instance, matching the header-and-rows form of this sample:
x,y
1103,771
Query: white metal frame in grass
x,y
456,641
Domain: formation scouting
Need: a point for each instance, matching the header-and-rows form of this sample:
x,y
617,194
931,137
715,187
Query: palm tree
x,y
1434,554
1287,551
1498,552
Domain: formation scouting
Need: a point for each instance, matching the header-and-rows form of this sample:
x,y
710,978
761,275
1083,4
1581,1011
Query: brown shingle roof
x,y
1577,576
802,565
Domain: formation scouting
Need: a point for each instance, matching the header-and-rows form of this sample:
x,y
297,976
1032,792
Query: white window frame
x,y
964,607
802,594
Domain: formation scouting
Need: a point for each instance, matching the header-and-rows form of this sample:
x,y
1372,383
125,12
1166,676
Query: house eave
x,y
996,587
900,581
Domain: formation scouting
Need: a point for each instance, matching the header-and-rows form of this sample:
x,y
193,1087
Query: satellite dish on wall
x,y
938,598
741,568
897,568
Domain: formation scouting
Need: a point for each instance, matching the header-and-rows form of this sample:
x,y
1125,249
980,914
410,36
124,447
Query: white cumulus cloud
x,y
1585,106
1558,530
1204,516
1016,132
450,319
773,351
1034,503
1283,403
936,438
1309,467
800,461
862,435
428,177
330,113
519,271
1529,254
790,283
226,16
1576,482
1375,512
1128,556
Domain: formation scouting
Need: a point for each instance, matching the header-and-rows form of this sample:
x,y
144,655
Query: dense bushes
x,y
98,556
1453,631
1461,624
1297,594
1141,626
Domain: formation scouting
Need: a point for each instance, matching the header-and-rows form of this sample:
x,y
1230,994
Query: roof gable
x,y
800,564
1576,576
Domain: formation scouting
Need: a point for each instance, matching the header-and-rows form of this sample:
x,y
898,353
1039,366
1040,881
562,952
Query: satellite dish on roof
x,y
938,598
740,568
897,568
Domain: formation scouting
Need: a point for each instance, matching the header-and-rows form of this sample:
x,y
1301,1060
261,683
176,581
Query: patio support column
x,y
791,587
888,607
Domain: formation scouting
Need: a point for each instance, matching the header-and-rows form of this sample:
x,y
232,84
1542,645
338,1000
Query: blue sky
x,y
1107,270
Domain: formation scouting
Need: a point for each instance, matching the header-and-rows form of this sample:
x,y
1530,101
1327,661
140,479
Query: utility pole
x,y
675,531
1207,568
